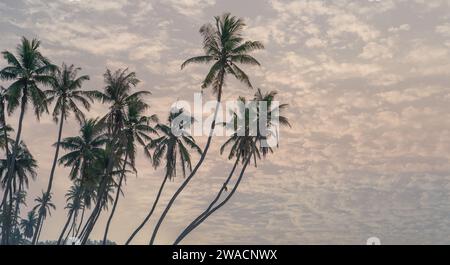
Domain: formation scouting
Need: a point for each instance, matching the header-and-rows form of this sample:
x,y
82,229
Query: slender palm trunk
x,y
55,160
224,187
150,213
116,200
184,234
65,228
202,158
6,226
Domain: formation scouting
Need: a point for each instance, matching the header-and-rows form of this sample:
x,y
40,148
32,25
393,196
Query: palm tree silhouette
x,y
136,129
28,70
225,47
83,151
168,147
66,91
244,147
117,93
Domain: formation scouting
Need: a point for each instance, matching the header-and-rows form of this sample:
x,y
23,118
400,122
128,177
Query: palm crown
x,y
223,44
29,69
66,91
170,147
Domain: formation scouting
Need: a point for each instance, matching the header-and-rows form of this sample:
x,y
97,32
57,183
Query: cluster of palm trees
x,y
104,152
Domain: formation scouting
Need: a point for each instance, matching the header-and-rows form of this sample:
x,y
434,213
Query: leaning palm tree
x,y
225,47
29,224
245,145
118,94
43,207
28,70
83,150
66,91
136,130
174,150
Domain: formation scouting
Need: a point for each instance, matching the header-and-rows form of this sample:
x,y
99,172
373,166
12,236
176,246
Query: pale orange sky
x,y
368,87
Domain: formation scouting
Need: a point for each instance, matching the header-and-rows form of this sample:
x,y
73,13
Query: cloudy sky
x,y
367,83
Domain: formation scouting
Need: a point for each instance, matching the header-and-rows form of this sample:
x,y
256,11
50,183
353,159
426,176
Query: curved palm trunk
x,y
55,160
150,213
224,187
6,227
116,200
199,163
184,234
65,228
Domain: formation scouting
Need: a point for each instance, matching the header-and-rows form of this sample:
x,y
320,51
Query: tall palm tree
x,y
29,224
66,91
83,150
225,47
244,147
136,130
43,207
169,147
28,70
118,94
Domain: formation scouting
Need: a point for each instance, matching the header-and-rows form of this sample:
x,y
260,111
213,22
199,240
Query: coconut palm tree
x,y
66,91
136,130
28,70
43,207
118,94
225,48
174,150
244,146
83,150
29,224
